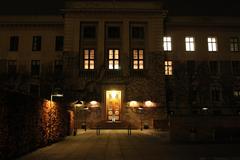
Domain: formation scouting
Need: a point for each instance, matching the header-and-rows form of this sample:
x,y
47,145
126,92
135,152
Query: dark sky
x,y
175,7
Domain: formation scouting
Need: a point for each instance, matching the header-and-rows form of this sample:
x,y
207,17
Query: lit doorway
x,y
113,105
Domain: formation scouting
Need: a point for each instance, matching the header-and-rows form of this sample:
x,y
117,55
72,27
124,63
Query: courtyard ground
x,y
140,145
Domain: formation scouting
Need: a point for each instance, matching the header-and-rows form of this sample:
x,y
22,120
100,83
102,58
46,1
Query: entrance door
x,y
113,105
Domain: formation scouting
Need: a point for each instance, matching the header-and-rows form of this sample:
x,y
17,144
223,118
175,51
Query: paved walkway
x,y
117,145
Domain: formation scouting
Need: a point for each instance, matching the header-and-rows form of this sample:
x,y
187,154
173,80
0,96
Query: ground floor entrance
x,y
113,105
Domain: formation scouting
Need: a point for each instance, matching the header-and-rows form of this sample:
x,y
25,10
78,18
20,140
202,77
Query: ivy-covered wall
x,y
28,123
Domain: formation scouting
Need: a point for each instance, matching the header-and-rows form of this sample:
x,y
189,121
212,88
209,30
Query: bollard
x,y
98,130
129,130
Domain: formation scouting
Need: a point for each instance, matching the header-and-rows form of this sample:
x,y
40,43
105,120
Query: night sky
x,y
175,7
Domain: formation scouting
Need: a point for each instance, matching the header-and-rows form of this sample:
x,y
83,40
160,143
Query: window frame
x,y
138,59
212,44
14,43
212,66
168,67
167,44
235,65
109,25
234,44
141,36
59,43
114,60
35,63
190,45
57,65
85,25
10,65
36,43
89,59
213,94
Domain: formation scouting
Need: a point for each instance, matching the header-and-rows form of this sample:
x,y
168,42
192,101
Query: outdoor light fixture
x,y
56,93
204,108
133,104
149,104
113,94
94,104
78,103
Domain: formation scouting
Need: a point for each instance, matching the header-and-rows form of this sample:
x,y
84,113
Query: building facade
x,y
126,62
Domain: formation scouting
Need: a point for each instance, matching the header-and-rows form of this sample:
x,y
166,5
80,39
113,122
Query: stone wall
x,y
28,123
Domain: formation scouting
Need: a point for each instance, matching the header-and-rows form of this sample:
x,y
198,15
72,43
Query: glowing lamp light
x,y
133,104
205,109
149,104
113,94
94,104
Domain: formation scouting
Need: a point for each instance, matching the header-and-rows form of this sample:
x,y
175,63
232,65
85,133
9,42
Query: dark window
x,y
216,94
113,32
236,67
58,67
34,90
12,67
14,40
234,44
137,32
190,67
35,68
169,95
214,67
89,32
36,43
59,43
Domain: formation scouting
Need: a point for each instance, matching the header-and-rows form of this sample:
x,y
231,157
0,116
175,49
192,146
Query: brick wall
x,y
28,123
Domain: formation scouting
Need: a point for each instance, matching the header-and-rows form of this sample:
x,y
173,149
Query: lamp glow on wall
x,y
133,104
149,104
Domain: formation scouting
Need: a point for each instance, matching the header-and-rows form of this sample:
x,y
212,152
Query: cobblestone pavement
x,y
118,145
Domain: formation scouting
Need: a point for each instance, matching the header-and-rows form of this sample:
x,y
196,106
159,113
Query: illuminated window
x,y
35,68
234,44
212,44
236,93
190,43
36,43
12,67
138,59
168,68
14,40
167,43
89,55
113,59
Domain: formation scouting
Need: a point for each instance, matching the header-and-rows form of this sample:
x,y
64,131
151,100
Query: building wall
x,y
141,86
174,92
25,27
202,80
